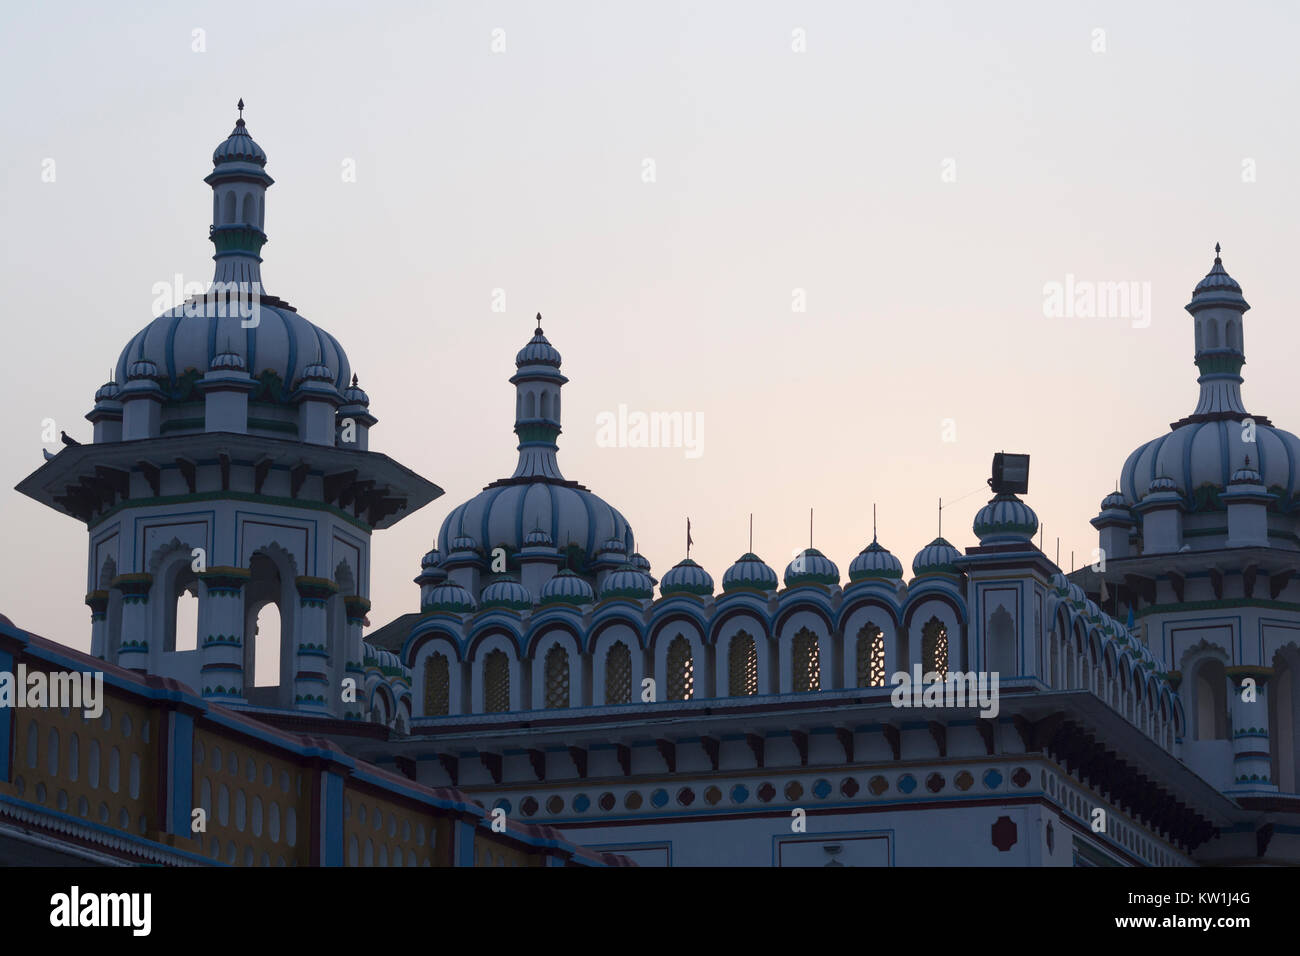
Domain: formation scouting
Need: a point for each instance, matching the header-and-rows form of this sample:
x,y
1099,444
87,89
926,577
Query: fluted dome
x,y
537,538
107,392
508,515
506,592
1114,500
450,596
1245,475
1004,520
141,368
228,362
639,561
462,545
431,559
875,561
567,588
686,577
749,571
628,582
810,566
538,351
937,557
239,147
354,394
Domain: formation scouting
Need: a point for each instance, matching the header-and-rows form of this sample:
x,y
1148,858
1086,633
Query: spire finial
x,y
1216,252
354,379
539,323
1247,461
240,107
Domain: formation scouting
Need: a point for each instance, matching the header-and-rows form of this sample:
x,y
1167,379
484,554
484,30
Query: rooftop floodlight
x,y
1010,474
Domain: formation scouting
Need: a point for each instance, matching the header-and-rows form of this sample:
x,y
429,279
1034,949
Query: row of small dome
x,y
143,375
631,578
1110,628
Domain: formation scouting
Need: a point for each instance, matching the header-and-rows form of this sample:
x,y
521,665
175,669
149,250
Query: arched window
x,y
1211,702
229,217
618,674
530,406
266,653
807,665
871,657
250,215
742,666
185,636
557,677
437,686
1234,335
934,648
681,669
1212,335
496,682
546,404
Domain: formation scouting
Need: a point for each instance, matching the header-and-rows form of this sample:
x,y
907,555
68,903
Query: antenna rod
x,y
751,532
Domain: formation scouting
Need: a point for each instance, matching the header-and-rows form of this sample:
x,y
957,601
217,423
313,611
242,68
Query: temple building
x,y
1142,713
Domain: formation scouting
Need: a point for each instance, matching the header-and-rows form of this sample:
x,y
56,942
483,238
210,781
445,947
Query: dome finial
x,y
240,107
539,322
1216,252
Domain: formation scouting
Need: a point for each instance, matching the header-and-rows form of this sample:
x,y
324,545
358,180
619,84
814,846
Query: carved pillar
x,y
221,632
97,601
133,651
1251,759
311,684
357,608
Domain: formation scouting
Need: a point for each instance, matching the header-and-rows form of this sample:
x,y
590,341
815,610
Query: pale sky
x,y
920,171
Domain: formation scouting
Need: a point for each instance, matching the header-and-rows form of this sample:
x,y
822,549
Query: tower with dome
x,y
231,460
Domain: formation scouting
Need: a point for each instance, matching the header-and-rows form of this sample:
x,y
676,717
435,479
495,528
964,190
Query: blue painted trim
x,y
463,844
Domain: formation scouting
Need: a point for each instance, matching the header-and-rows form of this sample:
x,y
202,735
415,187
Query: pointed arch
x,y
871,656
806,669
680,669
934,648
437,685
496,682
557,677
742,666
618,674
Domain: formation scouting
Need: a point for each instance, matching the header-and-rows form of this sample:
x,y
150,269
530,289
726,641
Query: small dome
x,y
537,538
1161,484
810,566
875,561
937,557
1216,280
506,592
355,395
227,362
143,368
107,392
1246,475
628,582
431,559
1114,500
749,571
450,596
239,147
1060,583
463,543
613,546
640,562
316,372
538,351
687,577
567,588
1077,596
1005,519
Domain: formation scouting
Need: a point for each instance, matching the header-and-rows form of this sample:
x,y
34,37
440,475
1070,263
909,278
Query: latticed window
x,y
934,648
681,669
437,686
618,674
871,657
742,666
807,662
557,677
496,682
